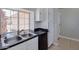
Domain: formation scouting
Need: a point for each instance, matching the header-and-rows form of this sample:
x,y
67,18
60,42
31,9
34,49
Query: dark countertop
x,y
40,31
14,41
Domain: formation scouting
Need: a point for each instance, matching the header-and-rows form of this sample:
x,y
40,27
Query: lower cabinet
x,y
43,42
28,45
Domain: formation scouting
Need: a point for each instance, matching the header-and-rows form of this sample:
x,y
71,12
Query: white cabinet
x,y
40,14
37,14
28,45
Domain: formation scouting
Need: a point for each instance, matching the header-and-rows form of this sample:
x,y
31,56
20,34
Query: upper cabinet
x,y
39,14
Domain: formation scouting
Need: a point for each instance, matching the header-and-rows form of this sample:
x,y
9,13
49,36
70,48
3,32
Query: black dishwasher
x,y
42,38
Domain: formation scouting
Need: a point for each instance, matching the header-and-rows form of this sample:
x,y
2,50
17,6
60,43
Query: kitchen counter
x,y
19,39
40,31
16,41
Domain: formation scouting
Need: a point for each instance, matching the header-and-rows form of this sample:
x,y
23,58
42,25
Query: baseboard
x,y
51,45
68,38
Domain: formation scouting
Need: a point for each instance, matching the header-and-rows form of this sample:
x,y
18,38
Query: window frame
x,y
18,25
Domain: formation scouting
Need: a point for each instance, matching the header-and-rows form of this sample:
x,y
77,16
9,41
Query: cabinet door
x,y
28,45
37,14
43,43
41,14
33,44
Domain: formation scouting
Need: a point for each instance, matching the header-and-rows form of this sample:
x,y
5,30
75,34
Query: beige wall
x,y
70,22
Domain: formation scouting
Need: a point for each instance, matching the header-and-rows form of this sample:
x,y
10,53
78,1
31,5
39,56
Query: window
x,y
10,19
14,21
23,21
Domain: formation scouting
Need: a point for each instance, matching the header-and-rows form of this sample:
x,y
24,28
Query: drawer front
x,y
28,45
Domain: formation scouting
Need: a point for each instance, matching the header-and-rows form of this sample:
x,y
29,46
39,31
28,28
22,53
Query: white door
x,y
50,26
53,25
57,23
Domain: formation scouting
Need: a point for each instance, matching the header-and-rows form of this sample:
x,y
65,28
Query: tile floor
x,y
65,44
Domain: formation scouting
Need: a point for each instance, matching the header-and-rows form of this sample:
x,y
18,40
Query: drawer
x,y
28,45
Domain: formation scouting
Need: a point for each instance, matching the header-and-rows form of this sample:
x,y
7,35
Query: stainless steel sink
x,y
25,36
14,39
